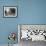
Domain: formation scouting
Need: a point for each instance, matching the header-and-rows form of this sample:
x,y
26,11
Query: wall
x,y
29,12
32,11
7,25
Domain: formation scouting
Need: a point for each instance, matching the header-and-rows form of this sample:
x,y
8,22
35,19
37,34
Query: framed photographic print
x,y
10,11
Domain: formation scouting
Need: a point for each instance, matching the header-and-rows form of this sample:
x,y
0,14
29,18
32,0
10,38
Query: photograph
x,y
10,11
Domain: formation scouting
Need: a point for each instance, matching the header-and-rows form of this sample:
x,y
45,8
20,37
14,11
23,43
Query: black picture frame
x,y
10,7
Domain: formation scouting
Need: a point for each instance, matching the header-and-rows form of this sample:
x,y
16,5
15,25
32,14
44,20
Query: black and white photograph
x,y
10,11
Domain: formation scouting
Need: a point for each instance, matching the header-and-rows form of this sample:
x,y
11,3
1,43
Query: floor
x,y
7,45
30,43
